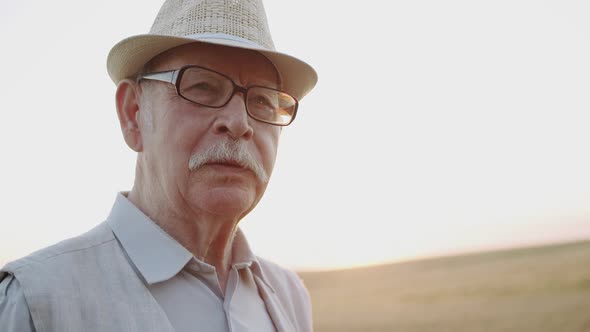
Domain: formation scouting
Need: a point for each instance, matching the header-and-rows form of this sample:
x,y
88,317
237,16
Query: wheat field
x,y
537,289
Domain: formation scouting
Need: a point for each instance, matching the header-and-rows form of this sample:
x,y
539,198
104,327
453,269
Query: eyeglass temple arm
x,y
164,76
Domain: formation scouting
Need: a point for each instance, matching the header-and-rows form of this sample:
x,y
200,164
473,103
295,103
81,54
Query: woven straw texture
x,y
241,18
235,23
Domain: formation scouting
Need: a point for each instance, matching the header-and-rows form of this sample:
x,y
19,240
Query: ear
x,y
127,99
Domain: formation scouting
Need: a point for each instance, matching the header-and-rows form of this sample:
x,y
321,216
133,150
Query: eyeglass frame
x,y
175,76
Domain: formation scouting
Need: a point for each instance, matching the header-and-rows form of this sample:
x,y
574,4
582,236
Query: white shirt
x,y
186,288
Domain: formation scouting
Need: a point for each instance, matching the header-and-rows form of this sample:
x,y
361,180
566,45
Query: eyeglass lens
x,y
209,88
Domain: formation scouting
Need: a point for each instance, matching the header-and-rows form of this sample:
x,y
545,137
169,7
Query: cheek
x,y
268,145
175,133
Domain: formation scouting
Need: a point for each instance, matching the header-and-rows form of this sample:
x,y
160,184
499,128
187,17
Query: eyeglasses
x,y
209,88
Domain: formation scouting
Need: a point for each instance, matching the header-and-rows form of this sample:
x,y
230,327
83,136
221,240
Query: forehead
x,y
242,65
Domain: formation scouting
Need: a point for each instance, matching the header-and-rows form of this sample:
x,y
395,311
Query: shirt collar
x,y
242,256
155,254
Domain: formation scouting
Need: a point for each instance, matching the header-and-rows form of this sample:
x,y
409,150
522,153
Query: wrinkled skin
x,y
201,208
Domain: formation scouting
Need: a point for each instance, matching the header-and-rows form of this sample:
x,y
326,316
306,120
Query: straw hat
x,y
235,23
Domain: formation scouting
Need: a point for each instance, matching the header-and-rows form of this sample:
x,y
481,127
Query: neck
x,y
208,237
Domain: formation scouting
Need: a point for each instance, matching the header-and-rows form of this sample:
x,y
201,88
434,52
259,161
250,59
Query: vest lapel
x,y
274,307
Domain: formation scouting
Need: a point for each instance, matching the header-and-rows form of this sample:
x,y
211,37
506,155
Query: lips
x,y
229,163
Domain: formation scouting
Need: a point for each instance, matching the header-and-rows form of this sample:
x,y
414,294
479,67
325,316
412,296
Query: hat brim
x,y
129,56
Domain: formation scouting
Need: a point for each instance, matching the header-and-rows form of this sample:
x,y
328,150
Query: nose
x,y
233,120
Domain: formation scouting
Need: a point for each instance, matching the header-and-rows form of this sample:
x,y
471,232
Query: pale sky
x,y
436,127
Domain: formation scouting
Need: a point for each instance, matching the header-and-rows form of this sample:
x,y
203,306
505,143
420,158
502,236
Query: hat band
x,y
234,40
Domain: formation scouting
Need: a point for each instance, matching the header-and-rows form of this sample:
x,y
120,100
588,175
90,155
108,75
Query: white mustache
x,y
228,151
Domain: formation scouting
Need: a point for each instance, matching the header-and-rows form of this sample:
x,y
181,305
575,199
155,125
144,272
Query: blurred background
x,y
437,128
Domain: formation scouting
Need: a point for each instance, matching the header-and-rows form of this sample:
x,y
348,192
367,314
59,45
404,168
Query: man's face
x,y
174,130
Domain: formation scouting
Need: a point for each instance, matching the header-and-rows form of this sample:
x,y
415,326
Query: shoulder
x,y
280,275
64,250
14,311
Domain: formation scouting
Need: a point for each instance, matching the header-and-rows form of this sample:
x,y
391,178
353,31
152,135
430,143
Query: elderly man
x,y
202,100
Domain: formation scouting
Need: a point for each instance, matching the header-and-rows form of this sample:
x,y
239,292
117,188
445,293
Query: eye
x,y
201,86
263,101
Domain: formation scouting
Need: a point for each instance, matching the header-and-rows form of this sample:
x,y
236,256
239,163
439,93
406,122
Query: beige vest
x,y
87,284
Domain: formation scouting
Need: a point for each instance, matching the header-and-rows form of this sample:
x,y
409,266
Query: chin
x,y
225,201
